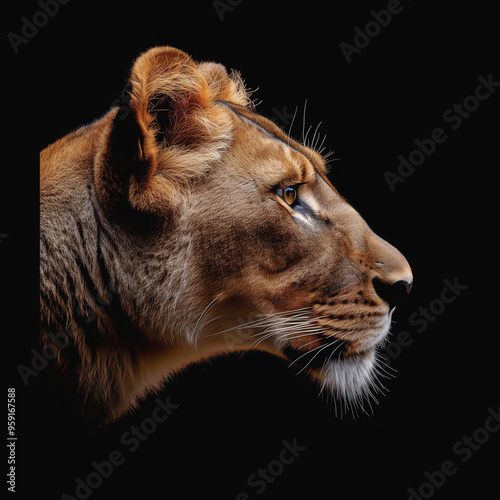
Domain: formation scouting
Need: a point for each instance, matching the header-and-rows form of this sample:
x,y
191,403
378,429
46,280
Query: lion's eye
x,y
289,195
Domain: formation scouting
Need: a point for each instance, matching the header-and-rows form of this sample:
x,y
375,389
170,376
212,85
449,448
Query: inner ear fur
x,y
174,129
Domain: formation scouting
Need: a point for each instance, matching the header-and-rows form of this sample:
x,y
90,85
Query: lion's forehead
x,y
271,152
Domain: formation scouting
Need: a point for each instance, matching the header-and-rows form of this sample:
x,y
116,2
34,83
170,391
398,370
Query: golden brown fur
x,y
162,228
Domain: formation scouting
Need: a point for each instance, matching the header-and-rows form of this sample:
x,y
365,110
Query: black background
x,y
235,412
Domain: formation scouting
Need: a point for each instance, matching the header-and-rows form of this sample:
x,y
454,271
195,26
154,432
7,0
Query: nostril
x,y
392,293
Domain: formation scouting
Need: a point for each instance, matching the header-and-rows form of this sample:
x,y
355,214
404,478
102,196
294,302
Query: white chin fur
x,y
350,380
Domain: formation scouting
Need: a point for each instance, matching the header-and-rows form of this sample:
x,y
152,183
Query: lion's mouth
x,y
329,350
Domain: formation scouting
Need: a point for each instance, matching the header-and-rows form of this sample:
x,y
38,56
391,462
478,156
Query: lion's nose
x,y
392,292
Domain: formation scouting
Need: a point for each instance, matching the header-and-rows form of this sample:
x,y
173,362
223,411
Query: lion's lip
x,y
315,358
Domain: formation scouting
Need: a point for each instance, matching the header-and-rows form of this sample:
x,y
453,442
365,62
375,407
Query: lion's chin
x,y
351,380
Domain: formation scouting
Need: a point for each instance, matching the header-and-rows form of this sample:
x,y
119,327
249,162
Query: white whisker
x,y
303,122
314,135
201,318
307,352
322,348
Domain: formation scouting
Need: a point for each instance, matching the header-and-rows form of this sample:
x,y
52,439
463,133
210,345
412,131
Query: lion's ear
x,y
172,127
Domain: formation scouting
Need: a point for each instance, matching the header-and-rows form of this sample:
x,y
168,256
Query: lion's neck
x,y
94,280
89,275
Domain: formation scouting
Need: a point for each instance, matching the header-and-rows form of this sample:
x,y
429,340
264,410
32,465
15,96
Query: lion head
x,y
218,233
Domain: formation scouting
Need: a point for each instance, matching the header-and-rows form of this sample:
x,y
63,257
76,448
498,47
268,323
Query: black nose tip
x,y
392,293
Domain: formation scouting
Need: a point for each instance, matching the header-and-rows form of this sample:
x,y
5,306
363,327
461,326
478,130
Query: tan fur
x,y
164,242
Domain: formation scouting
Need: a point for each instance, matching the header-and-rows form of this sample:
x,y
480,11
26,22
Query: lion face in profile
x,y
218,232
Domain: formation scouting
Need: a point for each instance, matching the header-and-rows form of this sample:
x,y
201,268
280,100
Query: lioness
x,y
168,220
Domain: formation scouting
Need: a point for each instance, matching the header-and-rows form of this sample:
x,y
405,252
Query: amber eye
x,y
289,194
